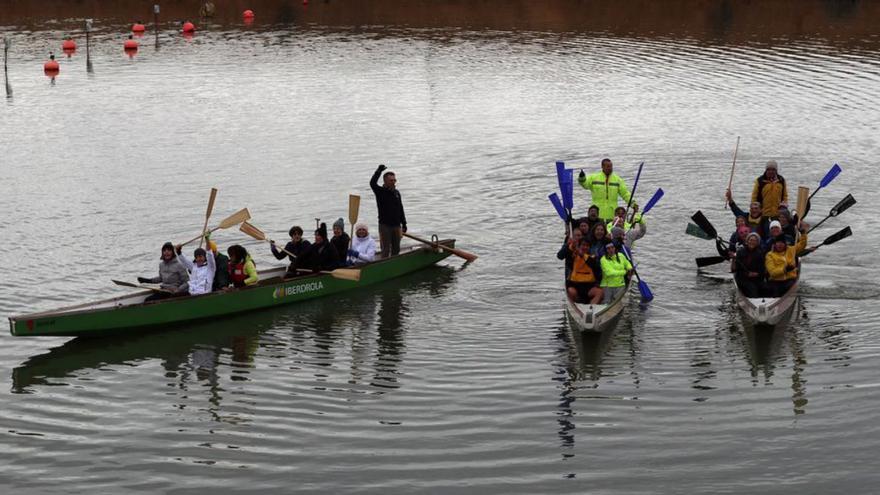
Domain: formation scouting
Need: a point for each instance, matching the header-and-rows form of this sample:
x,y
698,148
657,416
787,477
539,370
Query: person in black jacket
x,y
321,255
392,220
749,268
340,240
297,246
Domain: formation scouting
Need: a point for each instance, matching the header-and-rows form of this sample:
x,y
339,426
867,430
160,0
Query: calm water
x,y
458,379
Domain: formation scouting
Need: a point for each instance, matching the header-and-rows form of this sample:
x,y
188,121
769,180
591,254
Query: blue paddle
x,y
644,290
554,199
633,194
653,201
566,185
832,173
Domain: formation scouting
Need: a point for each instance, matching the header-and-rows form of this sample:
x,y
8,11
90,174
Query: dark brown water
x,y
457,379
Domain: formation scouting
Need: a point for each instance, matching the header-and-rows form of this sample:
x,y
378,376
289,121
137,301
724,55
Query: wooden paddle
x,y
236,218
152,287
354,207
802,198
352,274
208,214
458,252
732,169
839,208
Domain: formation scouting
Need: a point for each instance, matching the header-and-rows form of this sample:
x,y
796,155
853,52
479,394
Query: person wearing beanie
x,y
392,219
781,263
340,240
363,247
605,188
774,230
749,269
321,255
201,270
173,277
615,269
770,190
297,247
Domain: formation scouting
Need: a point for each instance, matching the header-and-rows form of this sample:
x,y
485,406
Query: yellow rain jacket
x,y
605,191
770,194
776,262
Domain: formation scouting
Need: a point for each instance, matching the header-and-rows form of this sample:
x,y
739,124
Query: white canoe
x,y
767,310
597,317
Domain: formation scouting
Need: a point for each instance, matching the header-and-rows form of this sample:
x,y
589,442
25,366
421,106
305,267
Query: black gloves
x,y
382,167
582,175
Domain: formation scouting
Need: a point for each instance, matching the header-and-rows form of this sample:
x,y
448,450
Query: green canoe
x,y
128,314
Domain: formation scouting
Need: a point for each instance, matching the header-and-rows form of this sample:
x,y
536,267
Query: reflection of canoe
x,y
767,310
130,313
597,317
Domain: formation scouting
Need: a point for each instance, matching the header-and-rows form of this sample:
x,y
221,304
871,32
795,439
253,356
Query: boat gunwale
x,y
618,301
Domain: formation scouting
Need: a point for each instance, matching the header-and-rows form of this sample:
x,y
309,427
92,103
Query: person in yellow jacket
x,y
615,269
770,190
781,264
605,187
583,281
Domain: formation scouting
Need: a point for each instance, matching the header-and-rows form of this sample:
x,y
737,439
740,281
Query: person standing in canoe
x,y
605,187
242,269
363,247
392,219
201,270
340,240
297,246
770,191
173,276
615,269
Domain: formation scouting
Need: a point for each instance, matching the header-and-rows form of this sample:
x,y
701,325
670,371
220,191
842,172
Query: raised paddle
x,y
236,218
710,260
705,224
211,199
732,168
352,274
644,290
458,252
354,207
653,201
840,234
695,231
839,208
152,287
560,210
833,172
566,185
633,193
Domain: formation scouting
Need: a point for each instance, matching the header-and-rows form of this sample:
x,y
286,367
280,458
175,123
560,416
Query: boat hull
x,y
597,317
126,314
768,311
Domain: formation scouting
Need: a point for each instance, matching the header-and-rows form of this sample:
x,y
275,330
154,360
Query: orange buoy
x,y
130,44
51,66
68,45
189,27
248,14
138,27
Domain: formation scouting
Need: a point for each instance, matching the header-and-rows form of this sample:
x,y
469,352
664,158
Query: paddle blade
x,y
704,223
252,231
843,205
695,231
354,206
211,203
710,260
236,218
841,234
832,173
568,190
653,201
352,274
554,199
645,291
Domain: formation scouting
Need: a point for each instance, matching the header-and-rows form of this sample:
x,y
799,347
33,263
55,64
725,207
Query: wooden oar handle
x,y
282,249
198,237
458,252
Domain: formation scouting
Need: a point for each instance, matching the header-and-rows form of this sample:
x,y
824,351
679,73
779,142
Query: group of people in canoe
x,y
768,239
211,270
595,249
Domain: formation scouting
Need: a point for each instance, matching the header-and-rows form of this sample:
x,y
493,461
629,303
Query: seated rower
x,y
363,247
748,267
321,255
592,217
738,238
201,270
569,245
615,269
340,240
221,264
754,218
781,263
775,231
598,238
297,246
173,277
242,269
583,281
788,229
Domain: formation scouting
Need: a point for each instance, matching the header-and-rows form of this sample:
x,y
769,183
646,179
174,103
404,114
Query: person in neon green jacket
x,y
605,187
615,267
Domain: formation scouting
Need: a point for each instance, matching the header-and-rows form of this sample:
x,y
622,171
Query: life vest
x,y
237,274
581,270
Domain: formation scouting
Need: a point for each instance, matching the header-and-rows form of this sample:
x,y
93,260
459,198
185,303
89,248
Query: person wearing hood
x,y
201,270
321,255
749,268
173,276
770,190
297,246
340,240
242,269
363,247
615,269
781,263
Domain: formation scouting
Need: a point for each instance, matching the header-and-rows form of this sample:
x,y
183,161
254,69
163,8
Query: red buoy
x,y
130,44
248,14
138,28
51,66
189,27
68,45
